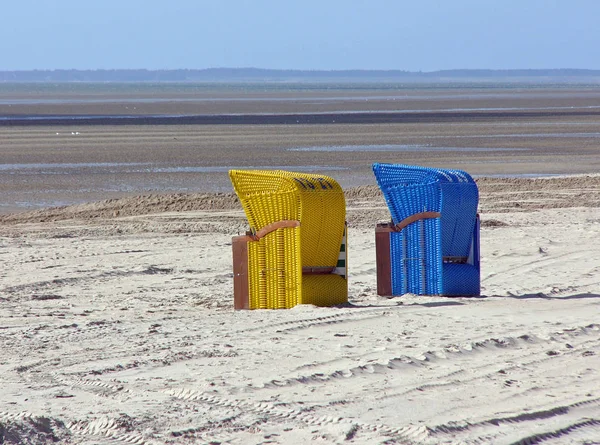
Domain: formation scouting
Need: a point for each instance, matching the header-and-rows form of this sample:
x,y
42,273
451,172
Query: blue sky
x,y
414,35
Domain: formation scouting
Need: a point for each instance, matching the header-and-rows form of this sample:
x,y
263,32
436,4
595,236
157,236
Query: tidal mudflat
x,y
184,139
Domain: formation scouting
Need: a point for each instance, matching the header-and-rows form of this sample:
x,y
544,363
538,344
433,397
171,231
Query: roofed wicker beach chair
x,y
294,252
431,247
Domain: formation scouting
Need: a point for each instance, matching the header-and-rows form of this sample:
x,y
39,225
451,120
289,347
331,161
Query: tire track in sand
x,y
145,348
584,432
449,353
105,428
407,433
577,413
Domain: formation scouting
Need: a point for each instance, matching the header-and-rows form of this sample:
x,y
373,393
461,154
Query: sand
x,y
116,308
116,326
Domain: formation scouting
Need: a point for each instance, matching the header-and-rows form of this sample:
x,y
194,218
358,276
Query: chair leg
x,y
383,260
241,291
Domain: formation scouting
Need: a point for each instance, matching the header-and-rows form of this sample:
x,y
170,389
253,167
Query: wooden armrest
x,y
416,217
272,227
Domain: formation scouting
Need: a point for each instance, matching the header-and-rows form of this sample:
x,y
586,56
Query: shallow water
x,y
14,168
40,185
133,167
519,135
400,148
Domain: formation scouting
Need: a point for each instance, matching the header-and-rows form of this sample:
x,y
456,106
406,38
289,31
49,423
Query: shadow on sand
x,y
542,296
350,305
458,300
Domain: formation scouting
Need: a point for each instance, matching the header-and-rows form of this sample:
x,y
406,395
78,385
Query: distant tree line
x,y
257,74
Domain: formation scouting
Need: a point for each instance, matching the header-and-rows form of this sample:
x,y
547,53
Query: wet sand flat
x,y
56,165
184,138
45,164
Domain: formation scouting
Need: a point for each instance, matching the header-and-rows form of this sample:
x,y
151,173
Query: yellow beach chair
x,y
297,234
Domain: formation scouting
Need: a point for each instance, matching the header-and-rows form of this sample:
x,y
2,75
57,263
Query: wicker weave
x,y
276,261
433,256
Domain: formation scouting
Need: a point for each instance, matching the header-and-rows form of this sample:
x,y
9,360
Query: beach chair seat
x,y
297,228
431,246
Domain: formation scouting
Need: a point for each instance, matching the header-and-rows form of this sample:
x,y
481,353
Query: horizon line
x,y
327,70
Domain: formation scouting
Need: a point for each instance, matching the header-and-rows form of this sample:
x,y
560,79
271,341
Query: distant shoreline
x,y
278,75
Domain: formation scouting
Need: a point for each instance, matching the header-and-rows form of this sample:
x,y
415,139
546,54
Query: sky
x,y
412,35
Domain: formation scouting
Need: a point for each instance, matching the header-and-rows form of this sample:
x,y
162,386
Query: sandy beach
x,y
117,327
116,290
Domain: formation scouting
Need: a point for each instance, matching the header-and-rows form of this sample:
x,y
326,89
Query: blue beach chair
x,y
431,247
